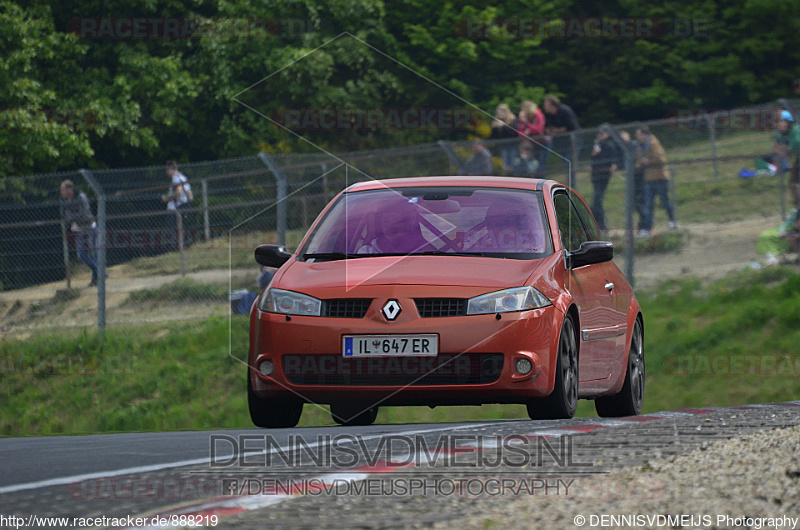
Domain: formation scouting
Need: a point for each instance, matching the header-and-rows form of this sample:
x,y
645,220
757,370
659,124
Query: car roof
x,y
456,180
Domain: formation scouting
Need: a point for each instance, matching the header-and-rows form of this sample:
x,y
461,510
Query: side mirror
x,y
271,255
589,253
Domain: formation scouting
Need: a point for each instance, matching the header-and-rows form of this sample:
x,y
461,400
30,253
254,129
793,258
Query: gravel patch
x,y
753,476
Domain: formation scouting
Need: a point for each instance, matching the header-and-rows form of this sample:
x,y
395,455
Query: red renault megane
x,y
446,291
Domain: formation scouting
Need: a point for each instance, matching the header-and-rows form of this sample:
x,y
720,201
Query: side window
x,y
588,220
569,223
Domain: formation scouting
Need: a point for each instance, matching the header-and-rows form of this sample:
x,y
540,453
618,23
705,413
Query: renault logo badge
x,y
391,309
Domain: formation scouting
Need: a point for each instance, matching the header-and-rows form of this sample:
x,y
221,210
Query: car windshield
x,y
492,222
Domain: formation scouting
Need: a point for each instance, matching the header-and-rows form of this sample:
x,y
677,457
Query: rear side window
x,y
569,223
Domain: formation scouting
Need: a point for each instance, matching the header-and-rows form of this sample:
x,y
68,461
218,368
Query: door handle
x,y
609,286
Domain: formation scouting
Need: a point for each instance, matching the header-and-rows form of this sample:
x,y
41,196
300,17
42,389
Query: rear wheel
x,y
629,400
563,401
353,414
272,412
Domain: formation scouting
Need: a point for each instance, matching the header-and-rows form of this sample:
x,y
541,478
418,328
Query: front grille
x,y
444,369
345,307
441,307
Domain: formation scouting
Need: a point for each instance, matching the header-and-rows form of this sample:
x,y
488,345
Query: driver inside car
x,y
506,228
398,232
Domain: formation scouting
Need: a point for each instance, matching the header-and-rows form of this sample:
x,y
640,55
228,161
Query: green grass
x,y
717,345
57,304
700,197
701,342
218,253
183,290
150,377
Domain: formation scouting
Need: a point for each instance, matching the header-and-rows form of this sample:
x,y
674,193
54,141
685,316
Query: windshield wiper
x,y
332,255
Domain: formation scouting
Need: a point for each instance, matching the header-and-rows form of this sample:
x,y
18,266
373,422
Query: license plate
x,y
388,345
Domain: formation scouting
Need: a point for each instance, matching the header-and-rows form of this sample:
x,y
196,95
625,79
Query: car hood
x,y
408,270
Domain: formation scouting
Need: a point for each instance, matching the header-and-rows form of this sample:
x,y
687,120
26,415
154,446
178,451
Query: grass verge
x,y
730,342
184,290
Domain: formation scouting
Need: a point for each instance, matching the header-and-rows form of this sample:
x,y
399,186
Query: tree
x,y
40,128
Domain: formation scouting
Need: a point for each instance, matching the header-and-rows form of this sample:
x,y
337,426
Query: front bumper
x,y
476,361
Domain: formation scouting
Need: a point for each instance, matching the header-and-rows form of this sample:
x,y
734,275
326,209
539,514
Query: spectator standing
x,y
787,151
504,129
531,126
78,219
480,163
179,195
559,119
605,161
531,120
638,179
652,159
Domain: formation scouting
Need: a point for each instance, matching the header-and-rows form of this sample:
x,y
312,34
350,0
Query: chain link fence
x,y
164,264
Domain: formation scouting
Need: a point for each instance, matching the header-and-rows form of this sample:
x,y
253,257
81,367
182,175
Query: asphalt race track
x,y
309,478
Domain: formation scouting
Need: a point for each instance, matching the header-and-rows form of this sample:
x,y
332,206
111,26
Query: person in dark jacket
x,y
480,163
560,119
78,219
638,179
605,161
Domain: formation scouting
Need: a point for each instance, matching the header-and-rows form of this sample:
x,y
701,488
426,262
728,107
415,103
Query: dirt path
x,y
711,252
41,306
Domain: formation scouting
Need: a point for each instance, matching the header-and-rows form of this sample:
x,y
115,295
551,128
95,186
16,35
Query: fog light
x,y
265,367
524,366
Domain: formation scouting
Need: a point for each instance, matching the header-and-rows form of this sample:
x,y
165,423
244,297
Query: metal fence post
x,y
101,249
573,159
451,155
630,205
325,189
630,198
280,196
712,131
179,223
673,190
206,222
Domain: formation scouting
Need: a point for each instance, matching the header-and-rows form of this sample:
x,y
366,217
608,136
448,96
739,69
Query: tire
x,y
629,400
563,401
349,414
274,412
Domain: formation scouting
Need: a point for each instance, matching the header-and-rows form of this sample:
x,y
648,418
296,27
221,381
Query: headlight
x,y
516,299
289,303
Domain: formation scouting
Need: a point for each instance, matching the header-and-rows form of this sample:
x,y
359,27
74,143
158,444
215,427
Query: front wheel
x,y
563,401
272,412
629,400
